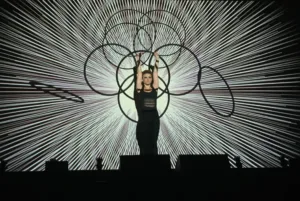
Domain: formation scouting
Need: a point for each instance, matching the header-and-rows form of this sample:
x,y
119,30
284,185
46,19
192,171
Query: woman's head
x,y
147,77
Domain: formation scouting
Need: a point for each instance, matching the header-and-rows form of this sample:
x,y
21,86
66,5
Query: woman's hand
x,y
156,55
138,56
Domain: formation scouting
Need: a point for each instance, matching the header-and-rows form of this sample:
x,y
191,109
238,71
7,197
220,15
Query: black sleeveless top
x,y
146,101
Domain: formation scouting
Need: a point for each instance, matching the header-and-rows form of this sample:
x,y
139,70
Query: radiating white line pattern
x,y
249,43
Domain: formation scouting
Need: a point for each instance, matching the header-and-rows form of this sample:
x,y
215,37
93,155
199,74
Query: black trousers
x,y
147,133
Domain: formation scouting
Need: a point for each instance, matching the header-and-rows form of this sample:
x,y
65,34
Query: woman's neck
x,y
147,86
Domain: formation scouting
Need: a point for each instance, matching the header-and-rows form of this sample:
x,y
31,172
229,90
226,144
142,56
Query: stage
x,y
149,184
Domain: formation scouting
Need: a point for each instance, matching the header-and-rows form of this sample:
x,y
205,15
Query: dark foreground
x,y
231,184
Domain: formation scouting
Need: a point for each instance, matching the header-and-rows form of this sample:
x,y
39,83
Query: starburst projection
x,y
229,80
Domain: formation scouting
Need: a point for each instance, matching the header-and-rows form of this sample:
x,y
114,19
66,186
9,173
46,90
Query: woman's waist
x,y
149,113
153,110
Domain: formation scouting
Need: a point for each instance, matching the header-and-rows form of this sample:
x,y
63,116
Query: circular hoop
x,y
233,102
85,65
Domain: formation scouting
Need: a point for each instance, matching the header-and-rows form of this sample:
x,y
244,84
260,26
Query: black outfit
x,y
148,123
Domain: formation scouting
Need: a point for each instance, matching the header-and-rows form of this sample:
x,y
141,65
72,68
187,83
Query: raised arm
x,y
155,71
139,74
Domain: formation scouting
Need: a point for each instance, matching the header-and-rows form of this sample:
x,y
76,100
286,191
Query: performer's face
x,y
147,78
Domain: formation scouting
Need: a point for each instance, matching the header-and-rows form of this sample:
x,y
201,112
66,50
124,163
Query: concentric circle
x,y
86,61
208,103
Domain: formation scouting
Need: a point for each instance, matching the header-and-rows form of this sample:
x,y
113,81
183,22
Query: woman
x,y
146,98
